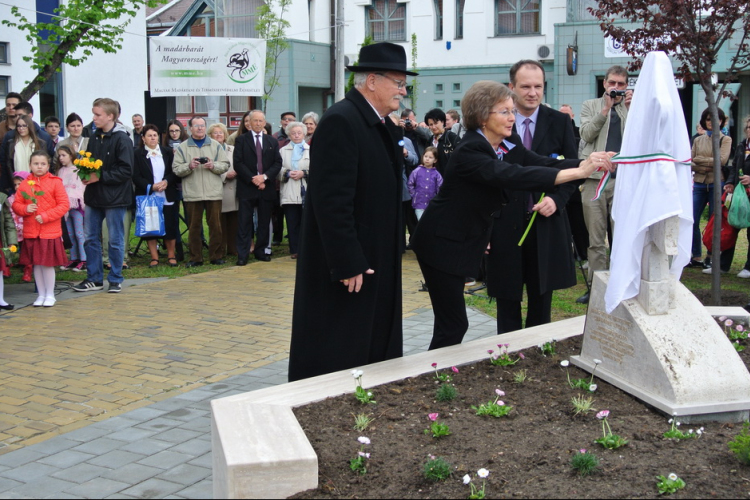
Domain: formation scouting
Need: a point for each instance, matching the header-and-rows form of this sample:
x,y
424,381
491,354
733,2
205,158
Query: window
x,y
456,103
386,21
184,104
438,87
439,103
238,104
456,87
438,19
460,18
202,107
4,84
516,17
3,52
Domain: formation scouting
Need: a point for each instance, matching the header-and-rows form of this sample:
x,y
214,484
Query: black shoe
x,y
583,299
241,262
218,262
193,264
263,257
88,286
8,307
114,288
698,264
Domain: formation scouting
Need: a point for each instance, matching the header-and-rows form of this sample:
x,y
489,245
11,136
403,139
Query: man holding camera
x,y
200,161
602,126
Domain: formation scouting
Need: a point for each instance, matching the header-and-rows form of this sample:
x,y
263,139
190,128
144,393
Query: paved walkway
x,y
108,395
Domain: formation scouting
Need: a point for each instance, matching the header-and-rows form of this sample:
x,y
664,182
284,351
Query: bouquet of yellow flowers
x,y
86,165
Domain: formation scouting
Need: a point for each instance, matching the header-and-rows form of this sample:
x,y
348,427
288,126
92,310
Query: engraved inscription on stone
x,y
610,333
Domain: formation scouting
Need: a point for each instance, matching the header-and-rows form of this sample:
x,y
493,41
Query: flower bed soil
x,y
527,453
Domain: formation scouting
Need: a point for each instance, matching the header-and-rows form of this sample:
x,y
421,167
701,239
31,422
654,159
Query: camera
x,y
616,93
202,160
407,123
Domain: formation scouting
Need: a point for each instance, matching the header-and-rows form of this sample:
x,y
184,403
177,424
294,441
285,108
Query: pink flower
x,y
434,365
520,355
490,351
499,392
363,454
602,414
500,403
728,322
739,328
582,450
722,318
455,370
433,416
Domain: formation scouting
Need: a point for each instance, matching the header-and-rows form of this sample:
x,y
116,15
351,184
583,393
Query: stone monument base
x,y
680,362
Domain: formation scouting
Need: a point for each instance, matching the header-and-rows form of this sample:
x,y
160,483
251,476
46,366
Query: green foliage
x,y
611,441
414,86
669,485
675,433
492,409
438,430
581,404
364,396
437,469
272,26
520,376
584,463
358,465
350,81
446,392
740,445
548,348
362,422
78,28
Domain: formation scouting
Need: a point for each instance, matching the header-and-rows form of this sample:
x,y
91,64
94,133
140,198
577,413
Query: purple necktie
x,y
527,133
259,154
527,144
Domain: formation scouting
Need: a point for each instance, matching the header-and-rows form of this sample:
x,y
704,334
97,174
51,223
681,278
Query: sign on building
x,y
206,66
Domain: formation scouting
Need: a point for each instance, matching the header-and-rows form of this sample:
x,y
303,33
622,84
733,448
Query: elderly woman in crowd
x,y
229,205
153,167
310,120
454,231
295,167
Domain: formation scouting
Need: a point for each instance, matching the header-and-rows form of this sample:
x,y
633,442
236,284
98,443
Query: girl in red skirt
x,y
42,201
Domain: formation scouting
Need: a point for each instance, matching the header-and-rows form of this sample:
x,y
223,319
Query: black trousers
x,y
293,214
447,297
246,231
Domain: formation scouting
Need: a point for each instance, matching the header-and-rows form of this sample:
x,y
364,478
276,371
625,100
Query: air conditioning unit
x,y
545,52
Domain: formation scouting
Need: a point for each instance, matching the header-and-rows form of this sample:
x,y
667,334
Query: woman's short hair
x,y
312,115
706,115
218,125
146,128
73,117
479,100
293,125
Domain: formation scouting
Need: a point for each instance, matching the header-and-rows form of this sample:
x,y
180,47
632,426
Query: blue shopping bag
x,y
149,215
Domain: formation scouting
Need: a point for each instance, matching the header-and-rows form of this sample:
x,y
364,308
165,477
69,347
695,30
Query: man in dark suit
x,y
347,297
544,262
256,178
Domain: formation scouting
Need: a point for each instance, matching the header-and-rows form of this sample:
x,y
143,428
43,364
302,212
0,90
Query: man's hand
x,y
547,207
354,284
628,98
92,179
194,163
231,174
209,164
259,179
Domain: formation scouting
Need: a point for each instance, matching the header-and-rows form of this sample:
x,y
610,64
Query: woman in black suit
x,y
453,233
153,162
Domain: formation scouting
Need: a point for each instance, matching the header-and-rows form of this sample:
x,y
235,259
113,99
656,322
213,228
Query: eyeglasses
x,y
506,112
400,83
22,126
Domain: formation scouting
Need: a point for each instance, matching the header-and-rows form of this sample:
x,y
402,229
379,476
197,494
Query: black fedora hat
x,y
382,56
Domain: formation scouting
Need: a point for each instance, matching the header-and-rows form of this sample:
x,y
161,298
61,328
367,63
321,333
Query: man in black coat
x,y
256,186
347,297
544,262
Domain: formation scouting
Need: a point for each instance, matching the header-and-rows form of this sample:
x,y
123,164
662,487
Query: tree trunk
x,y
717,185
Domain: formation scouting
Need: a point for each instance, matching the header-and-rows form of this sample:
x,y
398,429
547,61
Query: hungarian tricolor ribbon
x,y
629,160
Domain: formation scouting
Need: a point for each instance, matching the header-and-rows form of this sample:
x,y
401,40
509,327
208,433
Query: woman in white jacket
x,y
295,168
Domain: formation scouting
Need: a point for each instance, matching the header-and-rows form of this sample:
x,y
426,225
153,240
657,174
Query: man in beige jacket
x,y
200,161
602,126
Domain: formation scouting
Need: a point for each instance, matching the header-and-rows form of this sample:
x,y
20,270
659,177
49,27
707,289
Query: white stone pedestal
x,y
680,362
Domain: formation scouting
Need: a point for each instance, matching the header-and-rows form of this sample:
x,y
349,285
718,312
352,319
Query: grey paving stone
x,y
153,488
159,424
7,484
145,413
66,458
195,395
81,473
116,458
171,404
98,487
100,446
203,489
200,424
131,434
64,495
178,435
203,461
195,447
165,459
133,473
53,445
29,472
8,494
88,433
187,414
262,372
46,487
147,447
185,474
120,495
20,457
